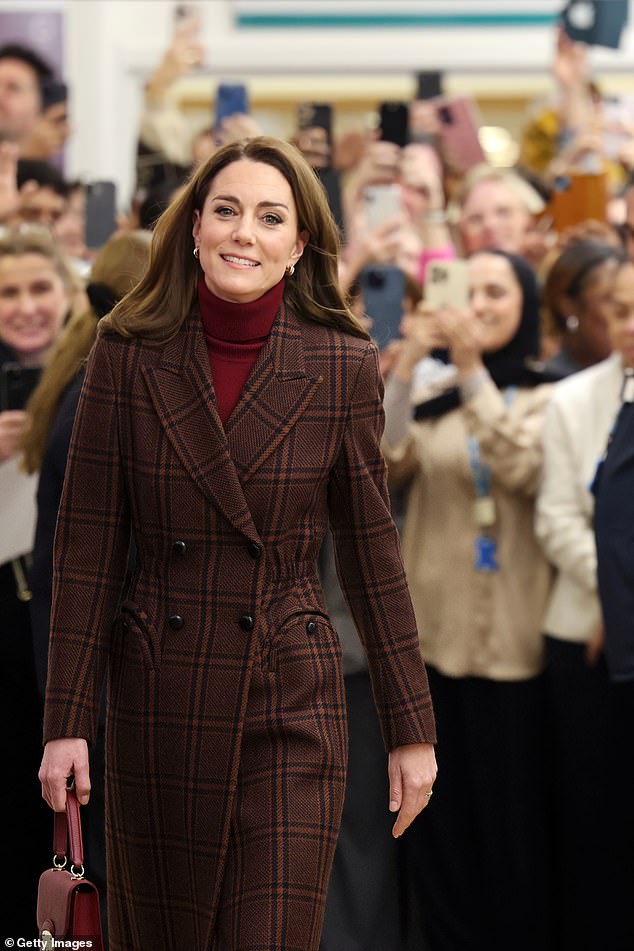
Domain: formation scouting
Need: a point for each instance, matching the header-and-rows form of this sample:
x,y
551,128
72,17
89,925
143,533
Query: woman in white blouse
x,y
577,425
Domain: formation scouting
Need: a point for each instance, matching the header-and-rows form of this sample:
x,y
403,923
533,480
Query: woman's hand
x,y
461,329
412,771
594,647
421,334
13,425
64,758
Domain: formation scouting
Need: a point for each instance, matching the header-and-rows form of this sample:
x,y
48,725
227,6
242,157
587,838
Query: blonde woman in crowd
x,y
471,455
36,295
578,422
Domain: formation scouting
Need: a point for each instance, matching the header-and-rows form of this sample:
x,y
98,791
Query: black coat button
x,y
176,622
254,549
246,622
125,626
311,627
179,548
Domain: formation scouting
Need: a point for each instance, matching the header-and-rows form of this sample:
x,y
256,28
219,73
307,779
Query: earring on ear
x,y
572,324
196,252
290,270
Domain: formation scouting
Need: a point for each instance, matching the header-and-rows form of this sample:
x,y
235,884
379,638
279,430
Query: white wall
x,y
112,44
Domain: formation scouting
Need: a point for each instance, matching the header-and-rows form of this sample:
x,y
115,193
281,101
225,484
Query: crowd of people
x,y
504,429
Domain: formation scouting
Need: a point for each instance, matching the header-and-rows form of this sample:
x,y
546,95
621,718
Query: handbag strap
x,y
67,828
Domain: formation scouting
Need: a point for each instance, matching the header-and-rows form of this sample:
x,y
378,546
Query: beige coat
x,y
474,623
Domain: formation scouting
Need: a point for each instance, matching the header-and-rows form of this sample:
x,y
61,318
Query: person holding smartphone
x,y
466,442
231,413
36,293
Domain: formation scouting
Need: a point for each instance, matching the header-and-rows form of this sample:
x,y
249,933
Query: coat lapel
x,y
275,397
183,396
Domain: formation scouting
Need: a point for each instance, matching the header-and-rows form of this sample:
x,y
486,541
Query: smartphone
x,y
184,13
331,182
383,290
579,197
458,131
16,385
382,202
317,115
394,122
429,85
231,99
447,284
101,213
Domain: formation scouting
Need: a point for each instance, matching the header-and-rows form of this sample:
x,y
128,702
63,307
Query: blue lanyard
x,y
480,471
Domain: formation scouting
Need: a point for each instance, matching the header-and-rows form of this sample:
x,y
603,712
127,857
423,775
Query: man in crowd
x,y
33,107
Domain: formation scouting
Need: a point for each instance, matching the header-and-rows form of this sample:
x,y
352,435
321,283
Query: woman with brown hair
x,y
577,298
231,411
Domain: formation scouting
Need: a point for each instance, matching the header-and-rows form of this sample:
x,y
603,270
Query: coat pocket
x,y
135,620
302,631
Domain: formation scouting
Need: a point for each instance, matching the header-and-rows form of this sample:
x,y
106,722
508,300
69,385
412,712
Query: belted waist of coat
x,y
279,575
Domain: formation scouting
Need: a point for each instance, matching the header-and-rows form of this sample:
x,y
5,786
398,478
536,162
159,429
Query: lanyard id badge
x,y
484,507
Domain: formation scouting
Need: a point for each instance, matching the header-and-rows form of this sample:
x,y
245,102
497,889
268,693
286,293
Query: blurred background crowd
x,y
494,268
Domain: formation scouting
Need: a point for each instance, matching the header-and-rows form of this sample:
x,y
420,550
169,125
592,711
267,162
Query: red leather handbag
x,y
67,903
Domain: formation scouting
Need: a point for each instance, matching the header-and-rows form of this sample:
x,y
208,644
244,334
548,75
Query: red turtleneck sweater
x,y
235,334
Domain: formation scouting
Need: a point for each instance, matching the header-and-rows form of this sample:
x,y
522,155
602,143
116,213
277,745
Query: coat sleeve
x,y
91,545
562,526
370,567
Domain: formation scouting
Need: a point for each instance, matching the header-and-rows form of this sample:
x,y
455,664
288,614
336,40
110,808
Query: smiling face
x,y
247,232
493,216
33,304
496,300
620,314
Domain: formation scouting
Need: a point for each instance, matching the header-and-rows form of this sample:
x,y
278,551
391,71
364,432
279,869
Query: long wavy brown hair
x,y
161,302
119,265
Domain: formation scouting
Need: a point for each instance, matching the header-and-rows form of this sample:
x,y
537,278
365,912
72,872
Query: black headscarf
x,y
515,364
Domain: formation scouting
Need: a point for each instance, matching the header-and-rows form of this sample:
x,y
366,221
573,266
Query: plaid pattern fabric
x,y
227,526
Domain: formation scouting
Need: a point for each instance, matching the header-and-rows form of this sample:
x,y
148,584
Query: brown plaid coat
x,y
227,527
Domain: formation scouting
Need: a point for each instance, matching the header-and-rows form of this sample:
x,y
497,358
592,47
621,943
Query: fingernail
x,y
83,800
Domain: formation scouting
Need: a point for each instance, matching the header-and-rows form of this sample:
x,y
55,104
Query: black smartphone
x,y
101,213
383,290
16,385
394,122
317,115
231,99
429,84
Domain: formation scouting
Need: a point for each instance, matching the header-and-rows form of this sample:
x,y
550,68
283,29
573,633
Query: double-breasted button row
x,y
246,622
179,548
176,621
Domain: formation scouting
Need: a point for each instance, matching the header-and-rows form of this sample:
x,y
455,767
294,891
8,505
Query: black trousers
x,y
27,832
618,862
581,796
479,858
364,910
